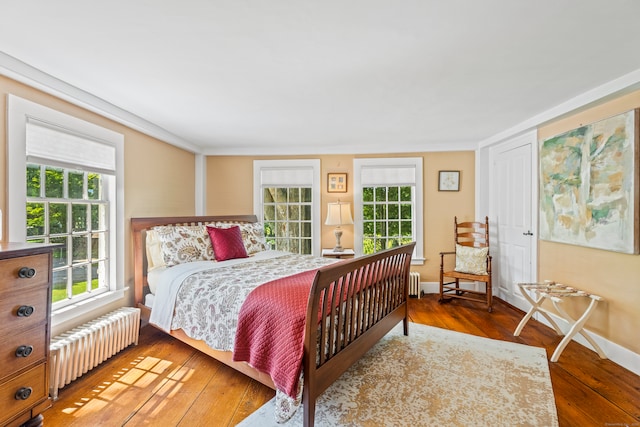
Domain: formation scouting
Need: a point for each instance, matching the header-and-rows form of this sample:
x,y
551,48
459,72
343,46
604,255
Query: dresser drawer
x,y
24,272
21,350
15,396
16,306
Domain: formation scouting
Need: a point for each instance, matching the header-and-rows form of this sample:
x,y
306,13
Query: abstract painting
x,y
589,185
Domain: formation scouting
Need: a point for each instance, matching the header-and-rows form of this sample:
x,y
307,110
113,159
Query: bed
x,y
347,306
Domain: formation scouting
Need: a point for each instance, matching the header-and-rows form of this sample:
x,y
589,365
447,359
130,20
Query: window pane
x,y
305,195
268,195
79,249
281,213
76,185
269,229
306,213
79,280
54,183
305,247
367,212
57,218
294,212
79,217
59,286
97,245
381,211
381,194
306,231
406,229
94,184
33,181
98,217
405,211
60,254
281,195
35,219
393,194
368,229
393,212
294,246
405,194
269,212
367,194
394,228
381,228
294,195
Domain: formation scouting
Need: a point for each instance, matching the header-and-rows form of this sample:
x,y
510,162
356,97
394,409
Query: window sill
x,y
81,308
417,261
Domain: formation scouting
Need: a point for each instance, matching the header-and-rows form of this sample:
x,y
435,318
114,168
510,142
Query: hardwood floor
x,y
162,382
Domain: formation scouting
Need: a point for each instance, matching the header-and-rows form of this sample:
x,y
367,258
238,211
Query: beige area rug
x,y
435,377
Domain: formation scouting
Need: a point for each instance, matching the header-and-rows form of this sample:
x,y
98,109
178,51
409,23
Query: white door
x,y
514,235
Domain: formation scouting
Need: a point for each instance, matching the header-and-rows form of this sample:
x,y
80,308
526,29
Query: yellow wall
x,y
230,190
159,178
614,276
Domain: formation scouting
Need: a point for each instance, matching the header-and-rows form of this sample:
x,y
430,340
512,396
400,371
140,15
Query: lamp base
x,y
338,233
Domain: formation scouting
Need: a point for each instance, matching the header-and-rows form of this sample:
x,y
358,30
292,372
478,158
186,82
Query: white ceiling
x,y
324,76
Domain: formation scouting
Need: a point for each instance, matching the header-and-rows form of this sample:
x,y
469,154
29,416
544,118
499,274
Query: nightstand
x,y
330,253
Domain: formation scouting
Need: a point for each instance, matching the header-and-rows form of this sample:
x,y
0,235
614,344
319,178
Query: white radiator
x,y
414,284
81,349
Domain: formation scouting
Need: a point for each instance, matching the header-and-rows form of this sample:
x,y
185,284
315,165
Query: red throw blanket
x,y
270,334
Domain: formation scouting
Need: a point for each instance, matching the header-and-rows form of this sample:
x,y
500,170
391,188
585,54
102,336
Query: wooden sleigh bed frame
x,y
373,289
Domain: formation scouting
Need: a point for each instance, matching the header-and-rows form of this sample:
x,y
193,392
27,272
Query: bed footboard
x,y
356,303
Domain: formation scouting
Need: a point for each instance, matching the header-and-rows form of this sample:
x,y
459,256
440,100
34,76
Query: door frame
x,y
486,198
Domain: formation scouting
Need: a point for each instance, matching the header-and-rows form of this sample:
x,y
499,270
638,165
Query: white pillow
x,y
471,260
154,251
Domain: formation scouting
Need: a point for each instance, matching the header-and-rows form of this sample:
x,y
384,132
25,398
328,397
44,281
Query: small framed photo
x,y
337,182
449,181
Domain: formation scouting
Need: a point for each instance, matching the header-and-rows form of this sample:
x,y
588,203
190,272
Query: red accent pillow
x,y
227,243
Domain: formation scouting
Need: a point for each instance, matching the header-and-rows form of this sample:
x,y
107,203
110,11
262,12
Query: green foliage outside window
x,y
60,212
387,214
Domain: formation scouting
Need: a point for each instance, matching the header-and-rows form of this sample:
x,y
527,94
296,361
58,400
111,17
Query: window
x,y
63,176
388,204
65,207
286,201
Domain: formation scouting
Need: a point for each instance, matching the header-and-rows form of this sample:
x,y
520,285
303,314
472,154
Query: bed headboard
x,y
139,226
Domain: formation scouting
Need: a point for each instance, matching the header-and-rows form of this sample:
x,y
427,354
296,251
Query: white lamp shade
x,y
339,213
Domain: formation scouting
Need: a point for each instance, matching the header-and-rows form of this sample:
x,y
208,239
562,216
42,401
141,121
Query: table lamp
x,y
338,214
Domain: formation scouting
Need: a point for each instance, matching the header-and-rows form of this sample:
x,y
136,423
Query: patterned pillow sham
x,y
471,260
184,243
252,235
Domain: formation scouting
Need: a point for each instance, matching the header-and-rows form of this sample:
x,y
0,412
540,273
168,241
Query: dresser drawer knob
x,y
24,393
25,310
24,351
26,272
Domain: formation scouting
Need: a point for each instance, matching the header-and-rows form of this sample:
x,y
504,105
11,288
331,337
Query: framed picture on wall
x,y
337,182
449,181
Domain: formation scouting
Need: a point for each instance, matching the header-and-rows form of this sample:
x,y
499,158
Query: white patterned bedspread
x,y
204,298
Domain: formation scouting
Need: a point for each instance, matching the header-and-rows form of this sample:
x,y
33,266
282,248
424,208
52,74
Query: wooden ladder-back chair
x,y
473,263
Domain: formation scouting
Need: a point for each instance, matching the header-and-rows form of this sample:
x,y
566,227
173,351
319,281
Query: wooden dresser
x,y
25,308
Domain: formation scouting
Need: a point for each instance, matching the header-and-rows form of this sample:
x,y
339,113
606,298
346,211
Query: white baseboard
x,y
615,352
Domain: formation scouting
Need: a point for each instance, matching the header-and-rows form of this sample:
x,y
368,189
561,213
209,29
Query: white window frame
x,y
363,167
19,112
298,172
